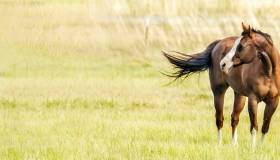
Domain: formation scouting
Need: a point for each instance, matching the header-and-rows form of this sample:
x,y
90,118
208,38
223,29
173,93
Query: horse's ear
x,y
246,28
250,33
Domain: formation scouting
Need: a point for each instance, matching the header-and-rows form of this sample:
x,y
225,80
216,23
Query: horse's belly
x,y
262,88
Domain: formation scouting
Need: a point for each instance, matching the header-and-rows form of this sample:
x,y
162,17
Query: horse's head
x,y
246,48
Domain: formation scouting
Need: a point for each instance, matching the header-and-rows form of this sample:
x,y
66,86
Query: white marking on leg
x,y
219,136
263,138
226,63
254,135
235,136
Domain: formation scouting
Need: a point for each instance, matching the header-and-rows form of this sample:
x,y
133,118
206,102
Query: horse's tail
x,y
188,64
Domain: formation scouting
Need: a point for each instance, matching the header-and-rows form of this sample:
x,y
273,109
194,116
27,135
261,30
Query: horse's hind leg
x,y
270,108
219,93
239,102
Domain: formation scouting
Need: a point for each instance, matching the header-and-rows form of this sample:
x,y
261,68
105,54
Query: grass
x,y
79,81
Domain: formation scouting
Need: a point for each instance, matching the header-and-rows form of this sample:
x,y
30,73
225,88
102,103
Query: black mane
x,y
265,35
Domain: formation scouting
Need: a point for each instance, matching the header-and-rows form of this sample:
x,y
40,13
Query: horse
x,y
249,64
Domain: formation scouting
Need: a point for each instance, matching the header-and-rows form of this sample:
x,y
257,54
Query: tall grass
x,y
185,25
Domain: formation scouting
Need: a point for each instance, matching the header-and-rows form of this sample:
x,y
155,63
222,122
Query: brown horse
x,y
249,64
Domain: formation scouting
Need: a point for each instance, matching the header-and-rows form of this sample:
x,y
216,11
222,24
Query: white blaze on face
x,y
226,63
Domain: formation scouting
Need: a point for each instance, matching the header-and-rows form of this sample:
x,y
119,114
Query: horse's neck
x,y
275,60
275,57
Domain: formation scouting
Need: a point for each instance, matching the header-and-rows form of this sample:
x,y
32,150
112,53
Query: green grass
x,y
74,87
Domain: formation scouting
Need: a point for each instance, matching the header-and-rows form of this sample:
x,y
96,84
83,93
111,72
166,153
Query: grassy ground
x,y
77,86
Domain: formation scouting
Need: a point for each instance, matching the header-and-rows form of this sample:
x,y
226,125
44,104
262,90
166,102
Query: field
x,y
82,79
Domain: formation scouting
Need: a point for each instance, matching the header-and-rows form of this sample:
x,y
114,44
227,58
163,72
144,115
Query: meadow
x,y
81,79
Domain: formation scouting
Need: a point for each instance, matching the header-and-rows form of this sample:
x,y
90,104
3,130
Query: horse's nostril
x,y
223,65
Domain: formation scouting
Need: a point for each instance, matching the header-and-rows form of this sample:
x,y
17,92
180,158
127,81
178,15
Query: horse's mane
x,y
265,35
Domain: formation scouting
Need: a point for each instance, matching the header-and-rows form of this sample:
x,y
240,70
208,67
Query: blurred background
x,y
135,25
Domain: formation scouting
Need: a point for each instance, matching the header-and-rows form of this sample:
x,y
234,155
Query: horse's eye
x,y
239,48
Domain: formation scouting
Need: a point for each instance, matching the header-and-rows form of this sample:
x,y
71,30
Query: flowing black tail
x,y
188,64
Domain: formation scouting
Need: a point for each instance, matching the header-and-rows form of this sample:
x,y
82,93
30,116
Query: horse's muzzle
x,y
226,67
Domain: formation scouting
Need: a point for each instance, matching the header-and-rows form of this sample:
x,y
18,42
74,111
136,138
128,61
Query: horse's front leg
x,y
253,110
271,105
239,102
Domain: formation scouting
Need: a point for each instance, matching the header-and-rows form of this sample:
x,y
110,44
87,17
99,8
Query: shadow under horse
x,y
249,64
